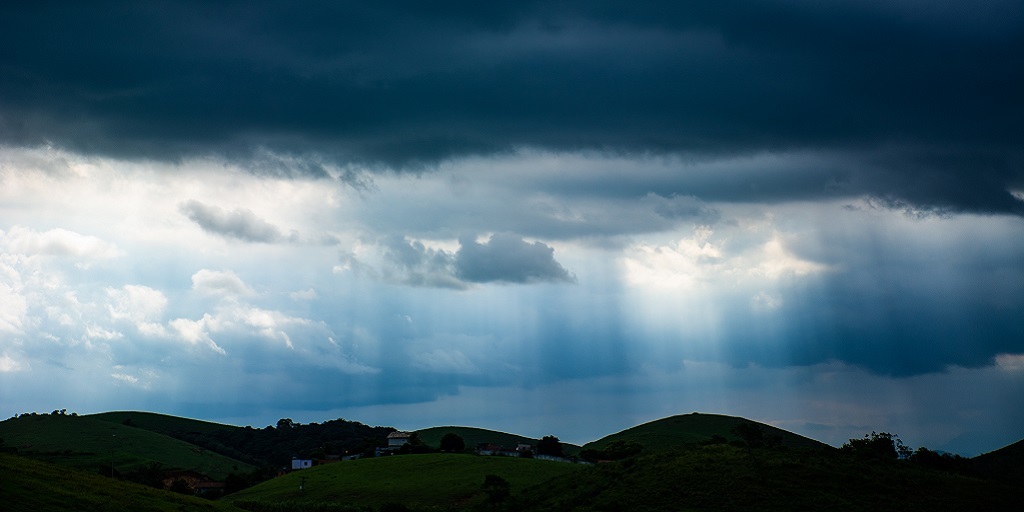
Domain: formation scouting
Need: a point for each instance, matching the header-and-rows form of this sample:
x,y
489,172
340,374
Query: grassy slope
x,y
160,423
726,478
29,485
472,436
87,443
686,429
425,480
1006,463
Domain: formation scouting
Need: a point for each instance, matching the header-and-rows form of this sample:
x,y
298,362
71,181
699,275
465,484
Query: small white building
x,y
302,463
398,439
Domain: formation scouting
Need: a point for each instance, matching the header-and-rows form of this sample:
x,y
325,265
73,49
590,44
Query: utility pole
x,y
302,483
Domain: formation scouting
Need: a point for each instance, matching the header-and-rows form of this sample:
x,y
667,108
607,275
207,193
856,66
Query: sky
x,y
548,218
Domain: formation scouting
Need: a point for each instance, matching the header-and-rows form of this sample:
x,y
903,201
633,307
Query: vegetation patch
x,y
109,448
416,481
28,484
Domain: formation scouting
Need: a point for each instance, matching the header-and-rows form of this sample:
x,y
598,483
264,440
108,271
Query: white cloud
x,y
686,264
764,301
13,306
270,324
216,282
136,303
123,377
9,364
195,332
56,242
307,294
707,259
777,262
95,332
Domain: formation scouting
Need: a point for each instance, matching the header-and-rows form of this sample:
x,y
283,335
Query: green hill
x,y
427,480
30,485
95,445
729,478
685,429
161,423
473,436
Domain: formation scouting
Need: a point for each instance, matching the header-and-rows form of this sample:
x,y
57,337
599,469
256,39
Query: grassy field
x,y
418,481
676,431
30,485
472,436
93,445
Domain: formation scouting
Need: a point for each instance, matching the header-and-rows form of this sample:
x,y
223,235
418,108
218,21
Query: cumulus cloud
x,y
136,303
413,263
503,258
506,257
239,223
196,332
218,282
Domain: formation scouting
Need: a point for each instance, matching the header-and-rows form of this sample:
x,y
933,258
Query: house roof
x,y
399,435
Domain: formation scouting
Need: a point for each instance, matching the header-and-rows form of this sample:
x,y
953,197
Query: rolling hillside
x,y
161,423
94,445
428,480
1006,463
473,436
686,429
728,478
32,486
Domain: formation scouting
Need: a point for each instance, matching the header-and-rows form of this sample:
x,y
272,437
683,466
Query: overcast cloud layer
x,y
421,214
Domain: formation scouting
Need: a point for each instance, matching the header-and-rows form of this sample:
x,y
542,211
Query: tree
x,y
285,423
618,450
415,445
549,445
497,488
878,445
452,442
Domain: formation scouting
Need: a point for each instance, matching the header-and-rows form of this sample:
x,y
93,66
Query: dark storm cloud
x,y
407,84
239,223
508,258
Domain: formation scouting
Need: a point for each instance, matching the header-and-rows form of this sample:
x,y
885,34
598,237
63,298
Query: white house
x,y
302,463
398,439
